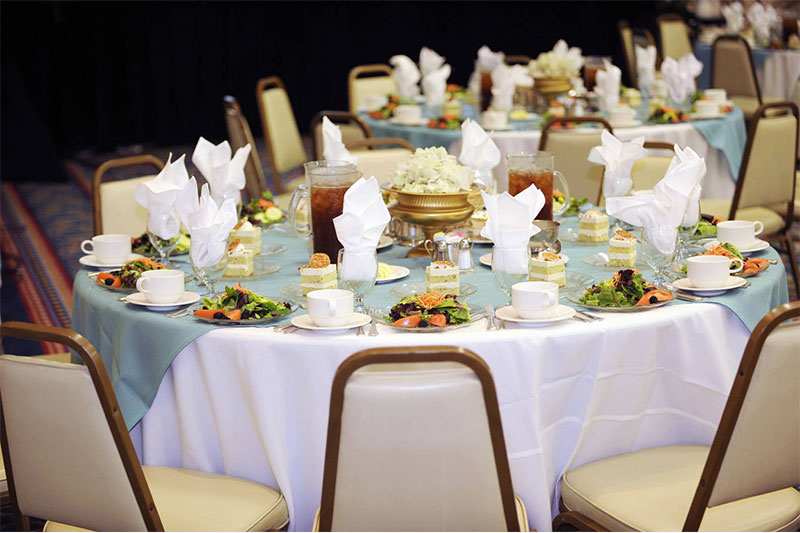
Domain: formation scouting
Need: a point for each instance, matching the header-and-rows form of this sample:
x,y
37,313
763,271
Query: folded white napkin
x,y
763,21
645,67
225,175
680,75
503,88
618,158
734,17
434,86
692,214
359,228
333,148
478,151
406,75
607,85
429,61
663,211
487,61
210,226
510,227
158,197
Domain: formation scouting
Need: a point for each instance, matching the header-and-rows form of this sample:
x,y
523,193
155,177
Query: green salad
x,y
575,204
142,245
626,288
429,309
239,303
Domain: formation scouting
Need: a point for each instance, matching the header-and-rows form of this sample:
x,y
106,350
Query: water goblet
x,y
357,271
655,258
205,264
163,224
509,266
685,232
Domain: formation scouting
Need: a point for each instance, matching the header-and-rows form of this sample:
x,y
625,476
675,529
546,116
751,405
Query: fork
x,y
490,324
374,313
178,314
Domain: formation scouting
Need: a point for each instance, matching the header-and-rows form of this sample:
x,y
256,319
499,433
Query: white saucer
x,y
695,116
734,282
137,298
384,242
560,312
756,246
486,259
399,273
626,124
357,320
507,127
421,122
91,261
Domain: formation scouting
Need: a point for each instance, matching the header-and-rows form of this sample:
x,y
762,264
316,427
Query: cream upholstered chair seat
x,y
121,214
190,500
781,208
380,163
652,489
773,222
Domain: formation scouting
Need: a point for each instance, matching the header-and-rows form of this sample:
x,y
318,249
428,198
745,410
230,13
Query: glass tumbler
x,y
536,168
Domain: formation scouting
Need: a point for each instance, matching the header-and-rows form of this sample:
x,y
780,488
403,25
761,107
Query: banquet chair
x,y
732,69
743,482
114,210
415,443
352,126
364,80
70,460
767,176
518,59
281,135
626,39
240,135
649,170
571,150
380,163
674,35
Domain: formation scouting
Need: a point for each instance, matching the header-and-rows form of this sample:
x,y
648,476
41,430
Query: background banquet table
x,y
777,70
720,141
251,402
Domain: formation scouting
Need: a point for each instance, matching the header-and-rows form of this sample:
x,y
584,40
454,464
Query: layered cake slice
x,y
593,226
547,266
442,277
248,234
318,274
622,250
241,261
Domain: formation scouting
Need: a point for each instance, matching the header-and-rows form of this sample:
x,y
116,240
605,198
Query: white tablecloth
x,y
778,76
253,403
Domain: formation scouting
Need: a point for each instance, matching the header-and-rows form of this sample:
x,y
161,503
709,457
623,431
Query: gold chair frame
x,y
99,174
240,134
356,72
374,142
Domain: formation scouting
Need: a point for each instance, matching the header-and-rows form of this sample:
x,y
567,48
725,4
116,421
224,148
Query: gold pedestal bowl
x,y
433,212
552,88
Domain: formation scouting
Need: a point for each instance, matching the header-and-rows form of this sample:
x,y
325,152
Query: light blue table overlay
x,y
138,345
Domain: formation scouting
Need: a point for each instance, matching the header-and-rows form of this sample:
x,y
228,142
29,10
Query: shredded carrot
x,y
430,299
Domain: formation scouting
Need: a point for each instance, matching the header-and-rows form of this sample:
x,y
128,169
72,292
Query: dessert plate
x,y
91,261
419,122
507,127
732,282
418,287
384,242
695,116
600,259
356,320
756,246
626,124
571,236
486,259
137,298
399,273
561,312
260,270
272,249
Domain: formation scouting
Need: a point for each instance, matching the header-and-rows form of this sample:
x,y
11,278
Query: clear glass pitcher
x,y
536,168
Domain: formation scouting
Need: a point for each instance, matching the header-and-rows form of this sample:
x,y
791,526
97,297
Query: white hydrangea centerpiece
x,y
432,170
561,62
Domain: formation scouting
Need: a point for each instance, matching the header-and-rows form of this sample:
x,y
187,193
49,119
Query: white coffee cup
x,y
534,299
408,114
718,96
330,307
621,115
706,108
375,101
740,233
161,286
108,249
492,119
711,270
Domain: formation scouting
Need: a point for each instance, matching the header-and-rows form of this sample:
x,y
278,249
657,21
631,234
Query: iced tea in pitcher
x,y
536,168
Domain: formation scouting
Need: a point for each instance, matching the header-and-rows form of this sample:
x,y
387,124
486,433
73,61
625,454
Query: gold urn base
x,y
552,88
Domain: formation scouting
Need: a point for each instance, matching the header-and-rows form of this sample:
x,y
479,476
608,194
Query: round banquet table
x,y
719,141
253,402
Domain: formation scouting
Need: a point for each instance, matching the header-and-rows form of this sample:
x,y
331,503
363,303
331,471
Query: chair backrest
x,y
352,126
283,140
767,174
240,135
415,443
518,59
674,33
649,170
364,80
113,206
732,67
68,455
626,39
380,163
571,148
757,446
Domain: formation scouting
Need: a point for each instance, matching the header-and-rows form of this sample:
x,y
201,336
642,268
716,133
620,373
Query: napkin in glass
x,y
662,212
487,61
158,197
429,61
618,158
333,148
505,81
679,75
646,67
607,84
434,86
510,226
406,75
692,214
734,17
359,228
479,152
225,175
210,227
763,20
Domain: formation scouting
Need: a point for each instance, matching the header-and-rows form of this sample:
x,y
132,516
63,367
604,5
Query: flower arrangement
x,y
432,170
561,62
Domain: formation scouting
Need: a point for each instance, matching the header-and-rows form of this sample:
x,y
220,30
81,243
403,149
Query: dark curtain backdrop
x,y
107,74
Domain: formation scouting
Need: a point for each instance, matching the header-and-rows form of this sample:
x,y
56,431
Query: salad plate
x,y
384,242
418,287
626,291
124,279
429,313
561,312
238,306
571,236
137,298
260,270
486,259
268,249
262,211
752,266
419,122
756,246
91,261
356,321
601,260
398,272
732,282
627,124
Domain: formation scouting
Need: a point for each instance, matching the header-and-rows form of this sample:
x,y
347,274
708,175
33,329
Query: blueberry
x,y
109,281
423,323
219,315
